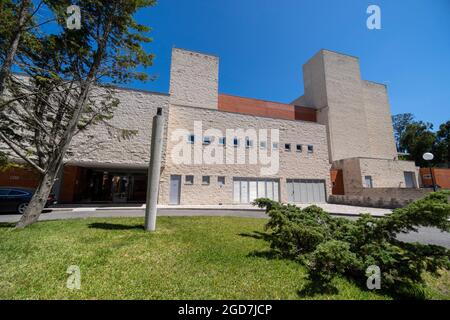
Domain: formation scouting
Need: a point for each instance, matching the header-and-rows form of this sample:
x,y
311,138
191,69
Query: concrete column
x,y
154,171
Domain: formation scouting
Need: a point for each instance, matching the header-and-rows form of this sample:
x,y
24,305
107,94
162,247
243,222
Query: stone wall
x,y
194,79
291,164
380,197
385,173
101,146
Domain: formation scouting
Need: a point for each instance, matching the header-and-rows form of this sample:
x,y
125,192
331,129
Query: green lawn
x,y
187,258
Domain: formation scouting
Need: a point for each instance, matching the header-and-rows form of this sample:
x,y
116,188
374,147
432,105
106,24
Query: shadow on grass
x,y
7,225
257,235
267,254
312,288
114,226
315,287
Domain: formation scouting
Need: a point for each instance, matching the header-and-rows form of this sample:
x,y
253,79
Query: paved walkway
x,y
425,235
331,208
194,210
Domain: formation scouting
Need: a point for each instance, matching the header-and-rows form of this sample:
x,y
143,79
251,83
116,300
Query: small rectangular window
x,y
275,145
189,179
310,149
236,142
287,147
191,139
205,180
299,148
263,145
206,141
222,141
368,181
248,143
221,181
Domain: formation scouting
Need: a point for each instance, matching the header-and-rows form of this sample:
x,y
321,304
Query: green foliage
x,y
69,74
399,123
331,247
329,259
5,164
107,23
7,17
417,139
3,161
443,144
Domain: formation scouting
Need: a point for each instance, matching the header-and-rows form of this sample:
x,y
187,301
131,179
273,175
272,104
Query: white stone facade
x,y
380,132
100,147
292,165
353,131
356,112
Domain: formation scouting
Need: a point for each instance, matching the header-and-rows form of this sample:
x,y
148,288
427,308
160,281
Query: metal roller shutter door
x,y
306,191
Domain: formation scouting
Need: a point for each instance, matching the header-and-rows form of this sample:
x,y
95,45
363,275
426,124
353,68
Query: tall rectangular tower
x,y
379,121
194,79
356,112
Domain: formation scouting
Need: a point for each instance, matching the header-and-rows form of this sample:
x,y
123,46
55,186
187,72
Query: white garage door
x,y
306,191
245,190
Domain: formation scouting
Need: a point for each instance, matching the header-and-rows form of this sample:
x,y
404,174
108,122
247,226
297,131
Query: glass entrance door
x,y
121,188
115,187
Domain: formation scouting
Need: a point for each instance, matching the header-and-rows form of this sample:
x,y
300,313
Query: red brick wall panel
x,y
265,108
337,181
24,177
441,177
305,114
69,184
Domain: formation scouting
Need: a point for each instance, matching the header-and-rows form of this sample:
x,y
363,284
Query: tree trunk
x,y
39,199
6,67
55,163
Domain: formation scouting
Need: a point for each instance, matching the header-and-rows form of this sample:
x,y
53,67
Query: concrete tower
x,y
194,79
356,112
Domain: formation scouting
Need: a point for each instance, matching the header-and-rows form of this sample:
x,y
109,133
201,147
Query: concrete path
x,y
425,235
331,208
85,211
127,212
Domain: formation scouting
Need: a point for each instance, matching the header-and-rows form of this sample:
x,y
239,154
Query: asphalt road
x,y
425,235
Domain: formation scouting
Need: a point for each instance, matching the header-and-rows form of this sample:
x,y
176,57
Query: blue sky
x,y
263,44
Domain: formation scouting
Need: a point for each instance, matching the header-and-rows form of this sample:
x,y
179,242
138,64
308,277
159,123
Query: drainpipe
x,y
432,179
428,156
154,171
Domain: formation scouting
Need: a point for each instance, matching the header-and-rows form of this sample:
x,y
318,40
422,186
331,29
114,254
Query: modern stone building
x,y
221,149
